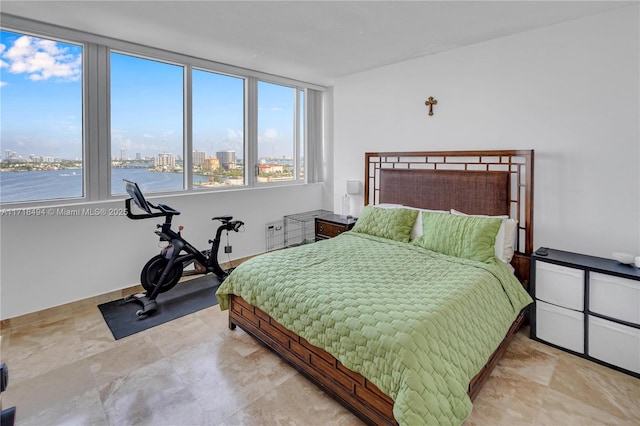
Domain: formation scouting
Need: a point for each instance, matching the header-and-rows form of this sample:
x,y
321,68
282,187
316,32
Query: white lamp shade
x,y
353,187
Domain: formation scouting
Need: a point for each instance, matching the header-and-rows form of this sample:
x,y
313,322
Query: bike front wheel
x,y
153,270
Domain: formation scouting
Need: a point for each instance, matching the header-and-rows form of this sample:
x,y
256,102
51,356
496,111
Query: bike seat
x,y
225,218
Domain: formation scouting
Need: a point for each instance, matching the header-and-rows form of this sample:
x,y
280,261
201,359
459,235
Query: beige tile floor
x,y
66,369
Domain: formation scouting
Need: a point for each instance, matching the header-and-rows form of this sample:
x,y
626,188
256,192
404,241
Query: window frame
x,y
189,112
297,133
96,105
84,114
186,96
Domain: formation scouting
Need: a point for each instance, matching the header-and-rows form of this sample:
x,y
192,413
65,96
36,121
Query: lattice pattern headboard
x,y
475,182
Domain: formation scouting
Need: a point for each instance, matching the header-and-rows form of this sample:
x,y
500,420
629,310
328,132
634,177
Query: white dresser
x,y
589,306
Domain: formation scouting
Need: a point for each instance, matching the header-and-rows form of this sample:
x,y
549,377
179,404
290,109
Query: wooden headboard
x,y
496,182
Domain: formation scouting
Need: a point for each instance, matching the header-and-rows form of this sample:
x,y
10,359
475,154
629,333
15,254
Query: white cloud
x,y
41,60
235,134
3,64
115,131
271,133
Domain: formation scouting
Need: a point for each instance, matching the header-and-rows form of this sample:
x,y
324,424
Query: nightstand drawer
x,y
614,343
560,285
615,297
560,326
329,230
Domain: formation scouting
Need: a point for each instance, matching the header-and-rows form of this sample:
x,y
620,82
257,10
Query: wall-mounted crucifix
x,y
430,103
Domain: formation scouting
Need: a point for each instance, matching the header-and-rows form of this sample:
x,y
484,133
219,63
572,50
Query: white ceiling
x,y
313,41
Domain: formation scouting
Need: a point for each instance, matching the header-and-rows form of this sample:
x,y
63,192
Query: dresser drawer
x,y
614,297
560,326
560,285
329,230
614,343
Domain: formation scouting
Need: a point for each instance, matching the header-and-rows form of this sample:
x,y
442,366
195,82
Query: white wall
x,y
569,91
51,260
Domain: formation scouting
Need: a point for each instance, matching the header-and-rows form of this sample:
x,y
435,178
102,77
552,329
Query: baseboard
x,y
57,312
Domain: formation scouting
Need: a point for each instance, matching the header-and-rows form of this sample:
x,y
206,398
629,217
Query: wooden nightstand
x,y
331,225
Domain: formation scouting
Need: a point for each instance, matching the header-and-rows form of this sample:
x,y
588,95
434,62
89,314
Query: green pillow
x,y
393,224
468,237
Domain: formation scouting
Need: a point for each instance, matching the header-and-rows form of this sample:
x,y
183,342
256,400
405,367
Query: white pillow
x,y
416,231
505,238
387,206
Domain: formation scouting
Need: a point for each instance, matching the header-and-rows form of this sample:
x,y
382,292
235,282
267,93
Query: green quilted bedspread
x,y
418,324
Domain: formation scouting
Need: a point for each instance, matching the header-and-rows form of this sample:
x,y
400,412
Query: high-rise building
x,y
211,163
198,157
11,155
164,159
227,159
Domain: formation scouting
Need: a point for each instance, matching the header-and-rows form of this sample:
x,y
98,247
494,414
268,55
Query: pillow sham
x,y
416,230
467,237
391,223
505,238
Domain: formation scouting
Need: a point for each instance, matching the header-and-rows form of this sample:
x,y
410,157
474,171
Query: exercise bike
x,y
163,271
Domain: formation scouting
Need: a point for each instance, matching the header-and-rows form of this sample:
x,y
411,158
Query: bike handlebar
x,y
164,210
168,212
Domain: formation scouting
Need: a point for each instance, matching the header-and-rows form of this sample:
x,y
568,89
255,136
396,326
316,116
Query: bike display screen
x,y
134,192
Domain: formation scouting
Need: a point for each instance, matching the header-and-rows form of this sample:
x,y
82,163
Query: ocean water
x,y
57,184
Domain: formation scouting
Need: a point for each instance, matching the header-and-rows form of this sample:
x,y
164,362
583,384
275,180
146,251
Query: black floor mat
x,y
185,298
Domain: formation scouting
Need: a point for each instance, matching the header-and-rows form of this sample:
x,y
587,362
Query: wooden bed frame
x,y
474,182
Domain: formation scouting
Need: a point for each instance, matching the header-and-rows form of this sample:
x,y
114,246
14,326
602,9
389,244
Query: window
x,y
301,134
276,132
42,117
147,142
80,112
218,130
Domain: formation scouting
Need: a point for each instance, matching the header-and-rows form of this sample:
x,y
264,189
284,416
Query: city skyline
x,y
15,156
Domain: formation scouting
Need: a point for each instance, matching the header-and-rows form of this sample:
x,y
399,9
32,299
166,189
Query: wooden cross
x,y
430,103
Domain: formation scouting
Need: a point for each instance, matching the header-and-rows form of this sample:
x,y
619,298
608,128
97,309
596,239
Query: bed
x,y
403,318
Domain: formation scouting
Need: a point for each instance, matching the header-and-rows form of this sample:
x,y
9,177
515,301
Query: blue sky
x,y
40,91
41,105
